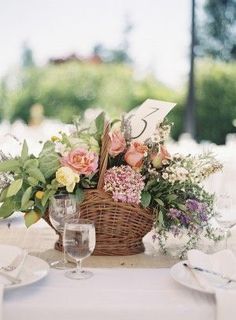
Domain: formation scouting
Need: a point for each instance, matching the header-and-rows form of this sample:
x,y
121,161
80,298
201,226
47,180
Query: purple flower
x,y
184,219
199,207
193,205
175,231
154,237
203,216
174,213
179,215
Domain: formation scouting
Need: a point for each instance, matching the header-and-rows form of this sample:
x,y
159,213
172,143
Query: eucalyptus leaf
x,y
79,194
47,195
3,194
150,184
9,165
32,181
36,174
145,199
25,198
181,207
24,151
28,205
172,197
14,187
31,163
100,121
8,207
48,160
160,219
31,218
159,201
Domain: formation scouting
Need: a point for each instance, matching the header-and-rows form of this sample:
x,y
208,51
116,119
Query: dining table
x,y
122,287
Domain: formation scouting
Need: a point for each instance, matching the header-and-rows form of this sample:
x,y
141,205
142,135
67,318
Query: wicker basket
x,y
120,227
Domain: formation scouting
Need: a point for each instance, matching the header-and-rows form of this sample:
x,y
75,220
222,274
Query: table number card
x,y
145,118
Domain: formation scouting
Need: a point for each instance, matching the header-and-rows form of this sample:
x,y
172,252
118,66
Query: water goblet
x,y
225,214
79,242
61,207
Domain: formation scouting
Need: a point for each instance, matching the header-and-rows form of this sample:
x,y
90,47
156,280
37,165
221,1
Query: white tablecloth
x,y
112,294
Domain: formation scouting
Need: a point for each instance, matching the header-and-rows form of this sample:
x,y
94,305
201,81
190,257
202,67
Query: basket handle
x,y
103,155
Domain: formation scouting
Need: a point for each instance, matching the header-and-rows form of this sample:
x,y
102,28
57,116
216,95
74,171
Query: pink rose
x,y
81,161
135,154
117,143
158,157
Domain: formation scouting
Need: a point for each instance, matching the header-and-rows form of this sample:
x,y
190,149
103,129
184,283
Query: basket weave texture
x,y
119,226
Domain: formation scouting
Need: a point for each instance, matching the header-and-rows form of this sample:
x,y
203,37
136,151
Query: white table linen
x,y
117,294
222,262
1,300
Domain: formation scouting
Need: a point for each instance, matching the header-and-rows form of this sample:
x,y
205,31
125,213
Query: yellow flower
x,y
67,178
55,138
39,194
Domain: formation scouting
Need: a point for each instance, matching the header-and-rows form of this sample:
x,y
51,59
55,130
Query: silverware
x,y
10,278
15,263
210,272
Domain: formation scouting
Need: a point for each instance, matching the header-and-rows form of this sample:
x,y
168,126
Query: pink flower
x,y
117,143
124,183
135,154
81,161
157,158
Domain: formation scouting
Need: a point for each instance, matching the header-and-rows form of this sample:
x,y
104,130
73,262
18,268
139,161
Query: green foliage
x,y
48,160
216,101
218,36
31,217
14,187
69,89
145,199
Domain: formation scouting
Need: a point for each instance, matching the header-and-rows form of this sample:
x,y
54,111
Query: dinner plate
x,y
32,270
184,276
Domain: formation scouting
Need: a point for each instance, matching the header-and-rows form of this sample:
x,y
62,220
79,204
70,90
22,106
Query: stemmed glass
x,y
79,242
225,213
61,207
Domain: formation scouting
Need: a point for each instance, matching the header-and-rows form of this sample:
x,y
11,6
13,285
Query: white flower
x,y
67,178
61,148
165,175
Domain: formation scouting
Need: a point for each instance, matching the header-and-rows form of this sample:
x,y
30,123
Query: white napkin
x,y
16,272
1,299
7,255
223,262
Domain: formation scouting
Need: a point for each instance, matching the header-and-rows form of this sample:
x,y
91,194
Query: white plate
x,y
32,271
184,276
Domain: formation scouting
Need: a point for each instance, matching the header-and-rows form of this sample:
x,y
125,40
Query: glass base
x,y
59,264
78,275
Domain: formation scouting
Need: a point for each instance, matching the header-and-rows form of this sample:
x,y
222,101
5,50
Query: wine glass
x,y
225,213
79,242
61,206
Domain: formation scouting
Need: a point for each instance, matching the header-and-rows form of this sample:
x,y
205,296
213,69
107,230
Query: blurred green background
x,y
108,81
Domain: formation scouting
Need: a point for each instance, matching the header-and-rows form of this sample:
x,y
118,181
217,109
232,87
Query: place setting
x,y
213,274
101,188
18,268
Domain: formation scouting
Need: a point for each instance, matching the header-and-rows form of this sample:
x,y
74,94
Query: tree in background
x,y
27,59
218,34
116,55
190,118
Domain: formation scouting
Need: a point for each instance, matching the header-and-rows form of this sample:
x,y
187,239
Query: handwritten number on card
x,y
145,122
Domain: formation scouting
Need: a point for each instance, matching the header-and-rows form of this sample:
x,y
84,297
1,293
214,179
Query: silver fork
x,y
14,264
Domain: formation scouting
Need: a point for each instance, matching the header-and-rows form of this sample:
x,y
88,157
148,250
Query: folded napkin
x,y
223,262
1,299
19,255
7,255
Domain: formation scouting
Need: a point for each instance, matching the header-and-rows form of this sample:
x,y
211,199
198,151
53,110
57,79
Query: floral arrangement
x,y
141,173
